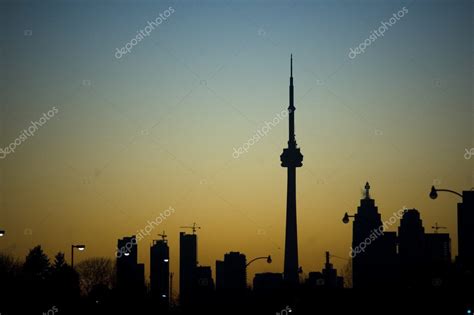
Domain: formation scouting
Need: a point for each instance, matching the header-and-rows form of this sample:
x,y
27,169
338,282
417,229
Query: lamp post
x,y
434,192
465,224
346,217
79,248
268,258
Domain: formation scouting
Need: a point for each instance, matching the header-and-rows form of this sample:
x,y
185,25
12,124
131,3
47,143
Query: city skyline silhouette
x,y
161,118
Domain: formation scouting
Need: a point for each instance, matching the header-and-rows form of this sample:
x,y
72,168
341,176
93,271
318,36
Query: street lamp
x,y
434,192
346,217
268,258
2,233
465,226
79,248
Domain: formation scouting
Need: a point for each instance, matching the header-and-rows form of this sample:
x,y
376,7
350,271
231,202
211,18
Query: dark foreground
x,y
343,301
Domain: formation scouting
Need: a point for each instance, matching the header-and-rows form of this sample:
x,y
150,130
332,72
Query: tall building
x,y
231,273
327,279
331,280
366,220
130,274
425,258
438,248
203,291
411,248
187,265
464,262
466,230
375,263
291,158
411,237
203,279
438,259
160,272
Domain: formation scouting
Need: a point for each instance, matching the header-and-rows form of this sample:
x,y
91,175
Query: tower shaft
x,y
291,158
291,233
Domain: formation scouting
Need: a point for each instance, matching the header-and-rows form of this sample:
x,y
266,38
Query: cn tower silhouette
x,y
291,158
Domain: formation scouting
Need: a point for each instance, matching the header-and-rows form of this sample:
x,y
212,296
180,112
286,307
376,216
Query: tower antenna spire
x,y
291,65
367,190
291,158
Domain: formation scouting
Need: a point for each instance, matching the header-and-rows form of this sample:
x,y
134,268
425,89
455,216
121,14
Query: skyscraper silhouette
x,y
160,272
204,284
374,251
231,274
411,248
438,258
291,158
130,274
328,278
187,266
466,230
365,264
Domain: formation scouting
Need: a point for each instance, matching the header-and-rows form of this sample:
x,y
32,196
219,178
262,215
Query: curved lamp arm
x,y
434,192
268,258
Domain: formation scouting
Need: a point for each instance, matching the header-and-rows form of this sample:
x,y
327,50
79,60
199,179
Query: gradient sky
x,y
157,127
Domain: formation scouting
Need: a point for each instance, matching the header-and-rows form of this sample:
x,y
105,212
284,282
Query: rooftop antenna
x,y
163,236
367,190
291,65
436,227
194,227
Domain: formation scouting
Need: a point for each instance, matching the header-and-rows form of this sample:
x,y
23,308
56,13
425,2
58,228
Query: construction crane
x,y
194,227
436,227
163,236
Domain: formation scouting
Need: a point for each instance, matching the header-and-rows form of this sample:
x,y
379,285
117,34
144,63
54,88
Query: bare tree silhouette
x,y
94,272
347,274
